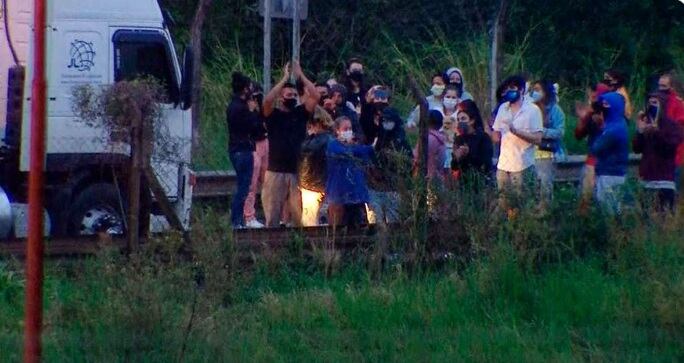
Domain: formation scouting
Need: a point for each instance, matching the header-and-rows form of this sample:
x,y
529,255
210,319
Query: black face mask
x,y
290,103
356,76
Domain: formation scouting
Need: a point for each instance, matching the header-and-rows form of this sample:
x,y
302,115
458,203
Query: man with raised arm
x,y
286,126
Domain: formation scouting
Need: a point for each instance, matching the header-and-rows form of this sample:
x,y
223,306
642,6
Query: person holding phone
x,y
377,99
657,139
242,117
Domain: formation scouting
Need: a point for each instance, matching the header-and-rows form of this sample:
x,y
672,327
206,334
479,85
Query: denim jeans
x,y
243,162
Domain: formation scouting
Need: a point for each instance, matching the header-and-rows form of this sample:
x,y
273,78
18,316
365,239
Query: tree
x,y
196,43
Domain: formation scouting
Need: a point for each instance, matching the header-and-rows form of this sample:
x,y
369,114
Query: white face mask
x,y
388,125
450,103
347,136
437,90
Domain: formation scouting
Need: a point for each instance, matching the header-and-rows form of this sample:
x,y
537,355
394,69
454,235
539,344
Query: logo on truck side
x,y
82,55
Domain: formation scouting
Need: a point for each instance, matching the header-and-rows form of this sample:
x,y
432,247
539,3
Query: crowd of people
x,y
335,152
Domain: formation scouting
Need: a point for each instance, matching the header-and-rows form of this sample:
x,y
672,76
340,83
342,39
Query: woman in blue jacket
x,y
345,188
611,149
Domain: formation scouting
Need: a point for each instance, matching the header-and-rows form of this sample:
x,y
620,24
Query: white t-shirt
x,y
517,154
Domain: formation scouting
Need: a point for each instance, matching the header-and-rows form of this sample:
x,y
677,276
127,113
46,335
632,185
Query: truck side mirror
x,y
188,78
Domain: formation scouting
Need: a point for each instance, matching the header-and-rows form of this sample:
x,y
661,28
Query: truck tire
x,y
97,209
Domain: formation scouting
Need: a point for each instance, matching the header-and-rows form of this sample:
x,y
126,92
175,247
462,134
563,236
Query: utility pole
x,y
295,30
267,46
33,312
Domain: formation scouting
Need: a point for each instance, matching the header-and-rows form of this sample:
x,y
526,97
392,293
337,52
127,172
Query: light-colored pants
x,y
281,190
260,166
588,182
546,172
513,186
383,207
311,205
608,192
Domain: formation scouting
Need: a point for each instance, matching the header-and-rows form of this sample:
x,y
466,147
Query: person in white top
x,y
518,127
434,100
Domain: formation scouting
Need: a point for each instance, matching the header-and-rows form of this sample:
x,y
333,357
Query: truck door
x,y
148,53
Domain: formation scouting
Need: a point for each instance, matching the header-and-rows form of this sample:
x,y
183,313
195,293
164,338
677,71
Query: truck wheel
x,y
97,209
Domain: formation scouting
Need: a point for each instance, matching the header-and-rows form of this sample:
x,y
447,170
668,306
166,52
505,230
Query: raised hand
x,y
286,71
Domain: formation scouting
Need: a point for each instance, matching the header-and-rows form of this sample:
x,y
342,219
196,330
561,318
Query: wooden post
x,y
267,46
421,213
164,203
134,175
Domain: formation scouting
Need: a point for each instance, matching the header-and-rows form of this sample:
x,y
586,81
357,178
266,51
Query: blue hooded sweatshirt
x,y
611,147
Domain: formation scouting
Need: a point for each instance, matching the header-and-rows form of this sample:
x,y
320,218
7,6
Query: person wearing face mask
x,y
345,188
323,91
355,82
657,139
518,127
392,164
589,126
376,101
436,148
472,155
450,103
674,110
615,80
434,100
611,149
454,77
341,107
243,118
286,126
550,149
312,165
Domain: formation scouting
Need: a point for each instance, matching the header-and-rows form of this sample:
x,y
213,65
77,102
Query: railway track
x,y
247,242
219,184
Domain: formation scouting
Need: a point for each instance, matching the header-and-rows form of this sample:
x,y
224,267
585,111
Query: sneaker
x,y
254,224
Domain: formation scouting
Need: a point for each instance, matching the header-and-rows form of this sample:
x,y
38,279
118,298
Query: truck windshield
x,y
145,54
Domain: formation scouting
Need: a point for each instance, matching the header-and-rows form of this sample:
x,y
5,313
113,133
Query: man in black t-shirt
x,y
286,125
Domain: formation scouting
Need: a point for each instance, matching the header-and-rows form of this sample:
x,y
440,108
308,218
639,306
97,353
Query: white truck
x,y
91,42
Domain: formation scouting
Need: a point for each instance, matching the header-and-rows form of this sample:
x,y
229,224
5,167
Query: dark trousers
x,y
661,200
347,214
243,162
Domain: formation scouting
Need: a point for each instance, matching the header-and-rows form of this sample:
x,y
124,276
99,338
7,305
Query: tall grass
x,y
556,287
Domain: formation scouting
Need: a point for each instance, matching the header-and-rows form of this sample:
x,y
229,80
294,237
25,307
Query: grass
x,y
611,291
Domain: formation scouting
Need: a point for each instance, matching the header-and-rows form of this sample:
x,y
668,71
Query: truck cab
x,y
97,43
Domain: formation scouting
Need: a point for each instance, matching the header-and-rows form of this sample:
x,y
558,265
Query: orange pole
x,y
34,250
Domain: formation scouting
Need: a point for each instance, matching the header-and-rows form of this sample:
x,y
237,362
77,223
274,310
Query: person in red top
x,y
656,139
674,109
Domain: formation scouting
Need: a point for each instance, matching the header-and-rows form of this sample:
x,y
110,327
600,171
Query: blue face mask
x,y
511,96
536,96
652,112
